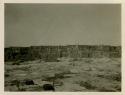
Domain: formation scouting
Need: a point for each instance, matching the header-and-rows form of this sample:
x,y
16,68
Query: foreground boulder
x,y
48,87
28,82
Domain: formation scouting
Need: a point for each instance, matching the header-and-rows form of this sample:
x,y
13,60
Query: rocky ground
x,y
87,74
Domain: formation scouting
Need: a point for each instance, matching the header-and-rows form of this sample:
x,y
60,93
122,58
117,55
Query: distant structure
x,y
51,53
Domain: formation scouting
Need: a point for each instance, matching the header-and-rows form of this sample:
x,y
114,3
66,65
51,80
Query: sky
x,y
62,24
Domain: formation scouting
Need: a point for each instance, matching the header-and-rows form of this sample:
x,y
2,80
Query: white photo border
x,y
2,3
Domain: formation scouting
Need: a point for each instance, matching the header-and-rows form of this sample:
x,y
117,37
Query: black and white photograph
x,y
62,47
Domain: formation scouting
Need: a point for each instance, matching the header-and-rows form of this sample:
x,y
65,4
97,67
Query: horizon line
x,y
61,45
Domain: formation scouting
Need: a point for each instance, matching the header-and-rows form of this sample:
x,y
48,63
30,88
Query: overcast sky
x,y
53,24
